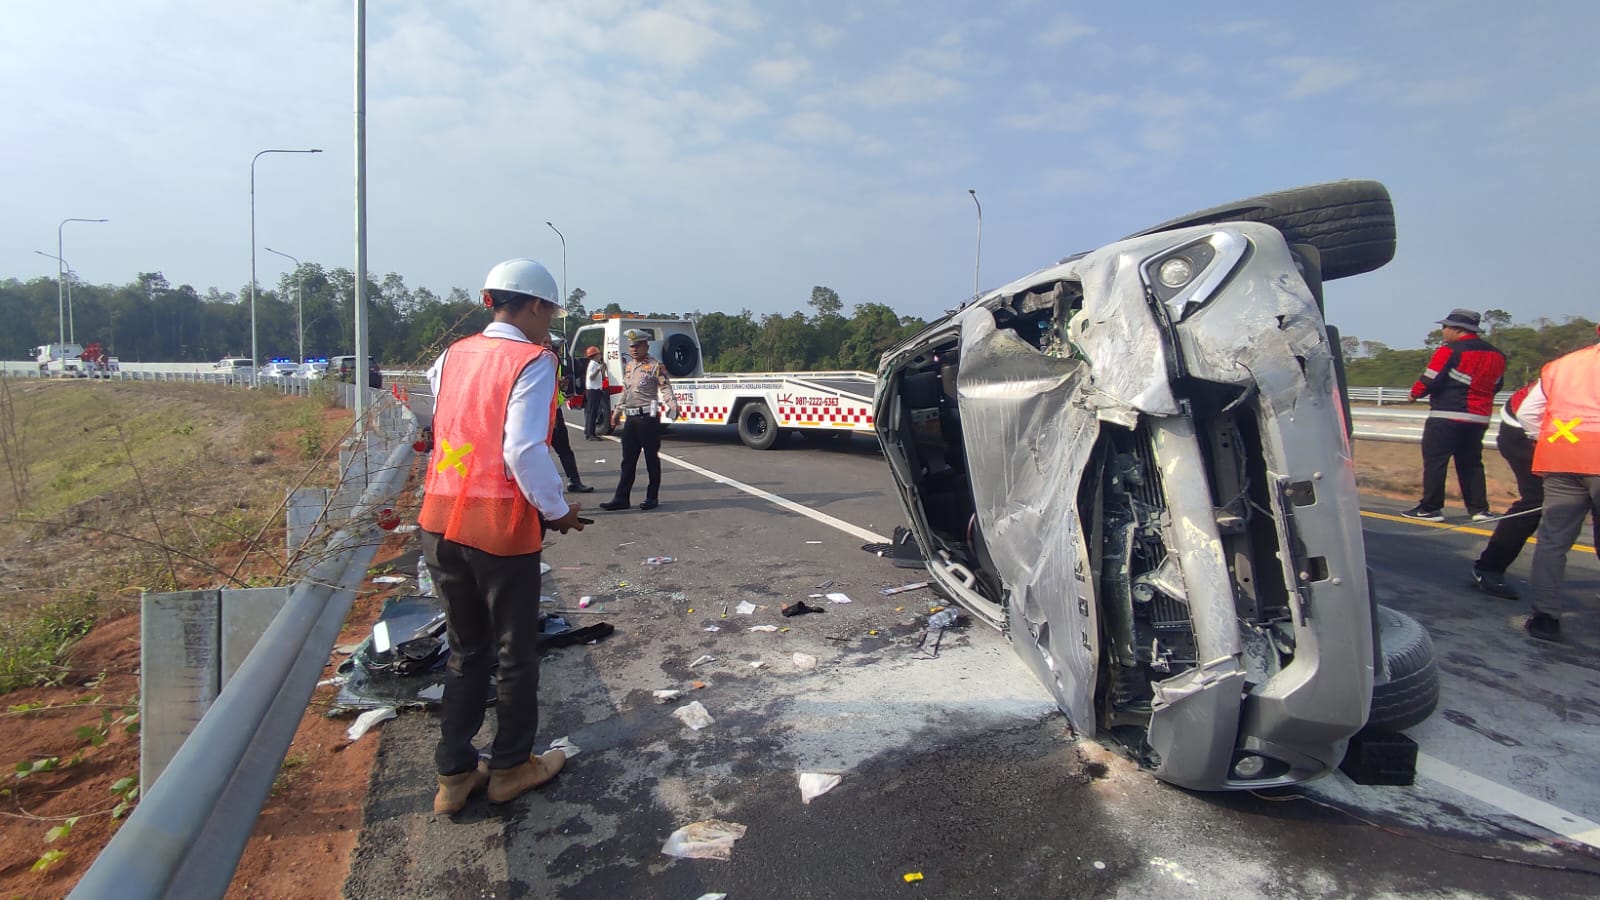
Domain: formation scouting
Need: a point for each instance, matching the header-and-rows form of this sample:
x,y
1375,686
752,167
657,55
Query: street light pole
x,y
977,259
61,304
253,352
565,297
299,305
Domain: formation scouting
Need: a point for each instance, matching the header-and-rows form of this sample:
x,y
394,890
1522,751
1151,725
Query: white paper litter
x,y
545,568
713,627
565,745
711,839
546,598
405,529
366,720
704,659
712,897
432,692
693,715
763,628
914,586
745,608
838,597
389,579
583,602
815,784
757,664
804,661
666,696
813,542
599,460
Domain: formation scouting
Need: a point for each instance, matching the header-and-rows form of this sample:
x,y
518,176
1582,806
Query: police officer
x,y
1562,413
646,392
491,492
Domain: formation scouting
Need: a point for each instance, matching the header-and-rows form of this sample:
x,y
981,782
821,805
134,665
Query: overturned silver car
x,y
1137,464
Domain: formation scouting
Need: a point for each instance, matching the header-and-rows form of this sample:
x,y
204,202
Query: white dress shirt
x,y
594,377
527,431
1530,415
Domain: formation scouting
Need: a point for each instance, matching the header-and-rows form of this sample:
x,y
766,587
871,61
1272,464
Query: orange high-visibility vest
x,y
1569,436
469,496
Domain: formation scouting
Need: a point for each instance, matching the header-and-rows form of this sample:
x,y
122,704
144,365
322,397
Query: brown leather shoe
x,y
455,789
506,785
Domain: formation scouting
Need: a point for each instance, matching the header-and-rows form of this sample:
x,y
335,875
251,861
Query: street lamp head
x,y
972,191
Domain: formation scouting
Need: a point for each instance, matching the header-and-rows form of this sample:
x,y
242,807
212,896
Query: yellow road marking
x,y
1446,526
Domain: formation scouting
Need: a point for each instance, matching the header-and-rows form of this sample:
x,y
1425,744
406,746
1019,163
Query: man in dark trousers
x,y
1521,520
560,441
1562,414
646,394
491,492
596,408
1460,383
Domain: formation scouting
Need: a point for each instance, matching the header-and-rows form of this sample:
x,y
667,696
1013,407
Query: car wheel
x,y
1406,689
680,355
757,428
1351,223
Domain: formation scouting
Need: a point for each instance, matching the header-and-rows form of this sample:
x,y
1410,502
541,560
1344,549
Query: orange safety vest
x,y
469,496
1569,436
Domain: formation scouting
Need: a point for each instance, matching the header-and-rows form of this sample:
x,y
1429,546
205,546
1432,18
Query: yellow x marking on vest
x,y
1564,429
454,457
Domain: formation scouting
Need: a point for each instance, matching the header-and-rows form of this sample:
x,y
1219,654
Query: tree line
x,y
1527,348
151,320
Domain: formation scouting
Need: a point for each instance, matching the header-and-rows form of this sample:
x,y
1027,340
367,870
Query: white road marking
x,y
1551,818
870,537
1547,816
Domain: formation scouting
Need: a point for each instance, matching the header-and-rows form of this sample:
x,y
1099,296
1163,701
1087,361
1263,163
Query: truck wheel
x,y
1351,223
1406,689
757,428
680,355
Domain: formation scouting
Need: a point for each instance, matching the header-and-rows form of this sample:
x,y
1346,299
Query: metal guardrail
x,y
186,836
1388,395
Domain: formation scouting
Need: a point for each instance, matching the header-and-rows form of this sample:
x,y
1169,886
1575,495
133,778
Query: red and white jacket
x,y
1461,380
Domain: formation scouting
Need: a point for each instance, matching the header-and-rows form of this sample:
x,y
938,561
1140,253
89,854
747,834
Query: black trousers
x,y
492,612
640,433
595,411
1510,534
1442,441
562,444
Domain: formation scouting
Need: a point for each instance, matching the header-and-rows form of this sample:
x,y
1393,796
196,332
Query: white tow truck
x,y
60,360
764,405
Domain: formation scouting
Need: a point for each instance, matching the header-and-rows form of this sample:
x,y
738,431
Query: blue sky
x,y
727,155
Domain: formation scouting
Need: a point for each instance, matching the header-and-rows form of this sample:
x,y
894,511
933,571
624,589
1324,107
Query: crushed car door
x,y
1027,444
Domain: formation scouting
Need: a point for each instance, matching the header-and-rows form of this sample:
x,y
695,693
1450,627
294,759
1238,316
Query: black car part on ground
x,y
1351,223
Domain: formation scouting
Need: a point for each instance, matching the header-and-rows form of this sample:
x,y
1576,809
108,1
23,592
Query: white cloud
x,y
1070,180
903,85
666,38
779,72
1063,30
1440,91
823,35
814,126
1043,111
1315,75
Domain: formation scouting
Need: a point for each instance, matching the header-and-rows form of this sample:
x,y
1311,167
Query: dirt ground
x,y
303,840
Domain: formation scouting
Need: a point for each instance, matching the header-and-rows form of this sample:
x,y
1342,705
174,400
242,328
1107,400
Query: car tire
x,y
1351,223
680,355
1406,688
757,428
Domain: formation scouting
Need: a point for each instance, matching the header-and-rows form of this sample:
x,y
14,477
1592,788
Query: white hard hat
x,y
523,276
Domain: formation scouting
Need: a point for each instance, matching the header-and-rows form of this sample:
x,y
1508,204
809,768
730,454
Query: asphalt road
x,y
958,767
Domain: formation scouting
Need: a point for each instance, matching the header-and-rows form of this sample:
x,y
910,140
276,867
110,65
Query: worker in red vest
x,y
491,491
1563,411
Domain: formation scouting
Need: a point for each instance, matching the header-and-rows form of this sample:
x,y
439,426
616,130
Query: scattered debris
x,y
765,628
405,529
815,784
424,578
913,586
813,542
804,661
389,579
757,664
712,897
666,696
837,597
334,681
710,839
911,877
704,659
433,693
1099,865
545,568
659,560
693,715
347,649
800,608
565,745
745,608
698,685
599,460
713,627
823,585
546,598
583,602
366,720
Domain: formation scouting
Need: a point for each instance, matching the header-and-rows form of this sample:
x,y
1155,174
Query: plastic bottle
x,y
942,620
424,577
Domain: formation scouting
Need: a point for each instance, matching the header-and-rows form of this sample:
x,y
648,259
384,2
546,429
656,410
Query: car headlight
x,y
1184,278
